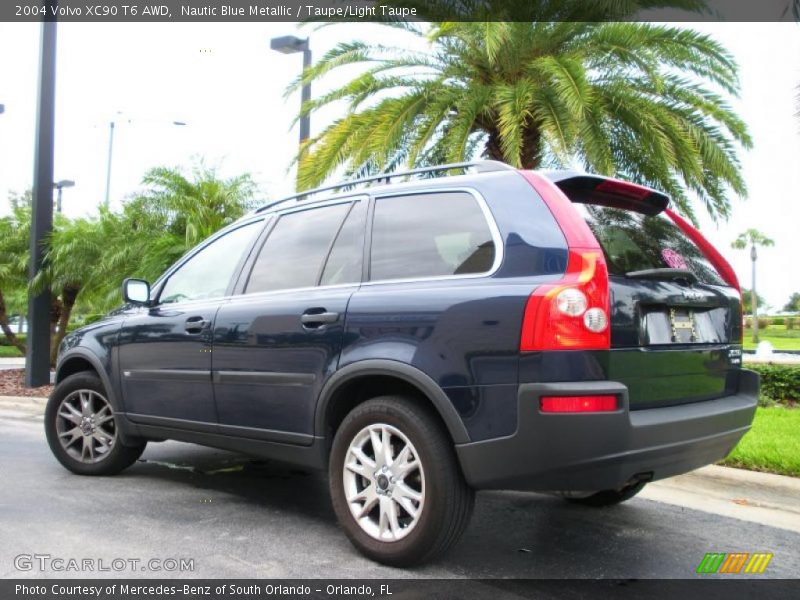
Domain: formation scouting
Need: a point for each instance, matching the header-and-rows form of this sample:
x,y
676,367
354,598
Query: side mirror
x,y
136,291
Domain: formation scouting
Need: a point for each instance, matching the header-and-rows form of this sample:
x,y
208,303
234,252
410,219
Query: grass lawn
x,y
777,335
9,352
772,445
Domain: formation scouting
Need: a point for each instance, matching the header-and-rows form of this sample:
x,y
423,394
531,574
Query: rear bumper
x,y
600,451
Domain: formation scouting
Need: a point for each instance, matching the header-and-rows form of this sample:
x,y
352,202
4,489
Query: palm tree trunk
x,y
531,155
6,327
55,315
69,294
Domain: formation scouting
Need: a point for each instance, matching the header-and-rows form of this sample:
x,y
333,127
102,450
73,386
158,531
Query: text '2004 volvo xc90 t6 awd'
x,y
488,328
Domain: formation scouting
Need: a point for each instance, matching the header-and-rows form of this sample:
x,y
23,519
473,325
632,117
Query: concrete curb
x,y
762,498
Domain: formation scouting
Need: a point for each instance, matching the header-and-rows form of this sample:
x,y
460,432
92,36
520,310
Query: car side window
x,y
430,235
343,264
293,254
207,274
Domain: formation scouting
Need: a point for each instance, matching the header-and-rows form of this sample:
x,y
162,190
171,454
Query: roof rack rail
x,y
481,166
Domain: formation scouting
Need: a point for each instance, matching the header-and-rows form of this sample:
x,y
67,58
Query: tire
x,y
610,497
79,413
445,501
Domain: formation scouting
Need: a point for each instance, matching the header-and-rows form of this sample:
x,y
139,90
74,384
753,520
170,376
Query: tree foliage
x,y
747,300
793,305
88,258
751,237
645,102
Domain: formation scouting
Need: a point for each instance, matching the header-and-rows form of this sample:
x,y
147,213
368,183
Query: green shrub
x,y
790,323
779,384
778,321
4,341
763,322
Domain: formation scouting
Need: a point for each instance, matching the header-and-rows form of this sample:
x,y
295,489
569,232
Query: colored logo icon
x,y
734,562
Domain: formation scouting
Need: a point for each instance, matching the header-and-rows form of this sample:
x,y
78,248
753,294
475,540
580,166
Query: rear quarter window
x,y
430,235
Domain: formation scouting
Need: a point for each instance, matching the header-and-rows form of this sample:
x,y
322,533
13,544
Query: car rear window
x,y
633,241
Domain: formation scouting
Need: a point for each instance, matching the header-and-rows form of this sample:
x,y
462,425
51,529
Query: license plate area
x,y
671,325
683,326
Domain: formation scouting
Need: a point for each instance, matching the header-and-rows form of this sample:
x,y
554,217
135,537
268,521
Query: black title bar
x,y
396,10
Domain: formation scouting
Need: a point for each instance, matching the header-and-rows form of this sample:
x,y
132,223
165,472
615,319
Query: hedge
x,y
780,384
4,341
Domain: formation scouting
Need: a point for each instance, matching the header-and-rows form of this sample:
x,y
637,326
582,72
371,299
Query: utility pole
x,y
37,364
111,126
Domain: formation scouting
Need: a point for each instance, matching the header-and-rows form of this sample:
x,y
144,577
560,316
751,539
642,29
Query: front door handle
x,y
311,319
196,325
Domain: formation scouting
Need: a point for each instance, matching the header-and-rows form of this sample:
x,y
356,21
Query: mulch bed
x,y
12,383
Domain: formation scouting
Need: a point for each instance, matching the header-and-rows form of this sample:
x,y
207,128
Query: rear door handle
x,y
196,325
312,320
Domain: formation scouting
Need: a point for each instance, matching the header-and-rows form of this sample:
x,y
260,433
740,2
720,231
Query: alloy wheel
x,y
384,482
85,426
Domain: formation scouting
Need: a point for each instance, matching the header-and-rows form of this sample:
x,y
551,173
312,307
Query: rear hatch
x,y
675,323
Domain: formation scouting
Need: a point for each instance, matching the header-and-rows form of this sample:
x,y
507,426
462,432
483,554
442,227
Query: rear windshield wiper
x,y
664,275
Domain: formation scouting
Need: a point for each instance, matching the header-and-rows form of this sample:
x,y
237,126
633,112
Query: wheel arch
x,y
81,360
364,377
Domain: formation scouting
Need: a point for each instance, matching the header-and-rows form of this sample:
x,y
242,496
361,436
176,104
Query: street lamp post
x,y
289,44
37,359
60,185
111,127
754,295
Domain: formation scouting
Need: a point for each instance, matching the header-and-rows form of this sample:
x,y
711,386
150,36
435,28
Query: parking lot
x,y
240,518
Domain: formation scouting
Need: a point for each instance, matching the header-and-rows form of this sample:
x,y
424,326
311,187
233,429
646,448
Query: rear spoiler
x,y
586,188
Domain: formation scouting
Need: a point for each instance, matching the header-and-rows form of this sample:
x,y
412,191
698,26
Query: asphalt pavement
x,y
243,518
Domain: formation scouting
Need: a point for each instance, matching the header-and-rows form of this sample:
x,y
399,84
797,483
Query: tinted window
x,y
293,253
633,241
344,262
208,273
430,235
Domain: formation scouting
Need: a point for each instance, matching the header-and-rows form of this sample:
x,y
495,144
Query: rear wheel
x,y
82,430
610,497
395,482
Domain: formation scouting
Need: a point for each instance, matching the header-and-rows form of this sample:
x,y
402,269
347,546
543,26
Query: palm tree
x,y
752,238
88,258
645,102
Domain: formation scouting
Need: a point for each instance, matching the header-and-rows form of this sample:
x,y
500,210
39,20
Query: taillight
x,y
574,404
573,313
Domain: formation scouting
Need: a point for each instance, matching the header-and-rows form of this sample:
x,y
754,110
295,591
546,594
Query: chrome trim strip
x,y
166,375
263,378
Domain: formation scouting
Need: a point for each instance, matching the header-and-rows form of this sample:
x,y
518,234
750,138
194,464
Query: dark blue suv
x,y
466,327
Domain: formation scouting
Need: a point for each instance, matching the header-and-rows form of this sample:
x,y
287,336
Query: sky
x,y
224,82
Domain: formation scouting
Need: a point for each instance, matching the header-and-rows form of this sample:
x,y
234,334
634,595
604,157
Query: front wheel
x,y
82,430
395,482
